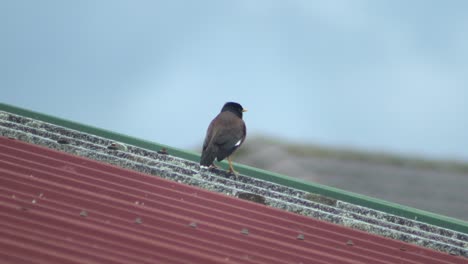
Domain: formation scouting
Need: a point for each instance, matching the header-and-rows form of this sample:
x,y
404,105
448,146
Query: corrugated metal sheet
x,y
375,210
59,208
174,168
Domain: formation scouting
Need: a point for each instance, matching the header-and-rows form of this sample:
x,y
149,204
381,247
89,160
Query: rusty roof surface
x,y
61,208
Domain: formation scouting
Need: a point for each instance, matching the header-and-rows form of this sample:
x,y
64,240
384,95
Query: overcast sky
x,y
376,75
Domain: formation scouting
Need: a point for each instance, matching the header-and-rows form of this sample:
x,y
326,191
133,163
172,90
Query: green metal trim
x,y
388,207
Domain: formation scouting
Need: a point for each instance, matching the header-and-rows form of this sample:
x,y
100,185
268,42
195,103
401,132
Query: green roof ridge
x,y
354,198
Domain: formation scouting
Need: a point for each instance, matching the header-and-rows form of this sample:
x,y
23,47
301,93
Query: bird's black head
x,y
233,108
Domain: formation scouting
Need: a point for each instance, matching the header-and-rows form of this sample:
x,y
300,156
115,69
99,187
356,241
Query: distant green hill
x,y
320,151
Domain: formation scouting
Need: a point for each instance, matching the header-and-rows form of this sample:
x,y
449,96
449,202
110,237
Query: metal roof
x,y
444,234
402,212
61,208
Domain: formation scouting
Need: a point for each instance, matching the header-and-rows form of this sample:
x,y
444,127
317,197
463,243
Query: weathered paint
x,y
59,208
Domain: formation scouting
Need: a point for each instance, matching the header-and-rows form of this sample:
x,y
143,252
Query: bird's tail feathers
x,y
208,156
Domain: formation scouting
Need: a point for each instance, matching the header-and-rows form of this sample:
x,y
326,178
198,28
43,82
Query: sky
x,y
374,75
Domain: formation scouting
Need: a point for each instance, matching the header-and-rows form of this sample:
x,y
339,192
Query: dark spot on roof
x,y
21,208
112,146
318,198
116,146
251,197
163,151
63,141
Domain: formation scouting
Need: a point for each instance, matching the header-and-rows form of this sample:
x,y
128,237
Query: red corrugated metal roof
x,y
59,208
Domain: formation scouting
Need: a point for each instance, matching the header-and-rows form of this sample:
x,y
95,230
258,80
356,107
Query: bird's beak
x,y
244,110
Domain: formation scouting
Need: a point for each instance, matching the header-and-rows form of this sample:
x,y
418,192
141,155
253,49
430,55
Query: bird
x,y
225,134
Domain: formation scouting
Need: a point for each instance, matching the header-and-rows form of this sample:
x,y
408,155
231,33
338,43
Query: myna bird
x,y
225,134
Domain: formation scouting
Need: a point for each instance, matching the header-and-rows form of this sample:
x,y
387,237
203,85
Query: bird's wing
x,y
229,136
209,135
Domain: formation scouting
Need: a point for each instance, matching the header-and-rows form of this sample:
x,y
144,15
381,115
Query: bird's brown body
x,y
225,134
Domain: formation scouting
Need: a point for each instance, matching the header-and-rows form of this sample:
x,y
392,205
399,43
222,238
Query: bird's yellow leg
x,y
231,169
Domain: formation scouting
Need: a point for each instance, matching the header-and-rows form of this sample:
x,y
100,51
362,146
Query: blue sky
x,y
376,75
